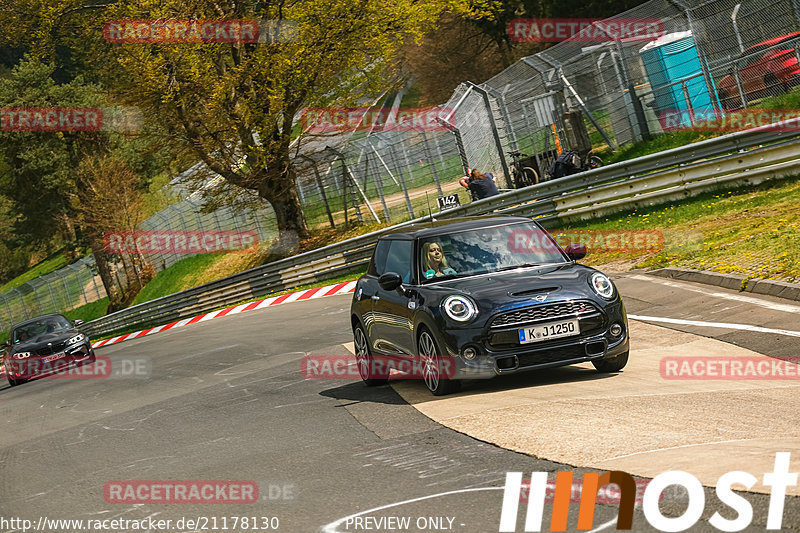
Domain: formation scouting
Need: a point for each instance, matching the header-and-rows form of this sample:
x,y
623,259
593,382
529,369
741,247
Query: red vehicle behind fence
x,y
768,68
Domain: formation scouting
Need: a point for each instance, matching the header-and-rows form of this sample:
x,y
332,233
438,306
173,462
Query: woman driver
x,y
433,261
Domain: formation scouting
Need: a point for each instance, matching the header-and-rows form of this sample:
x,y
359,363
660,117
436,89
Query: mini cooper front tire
x,y
433,366
614,364
364,359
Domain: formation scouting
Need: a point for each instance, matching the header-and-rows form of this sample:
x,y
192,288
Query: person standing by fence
x,y
479,184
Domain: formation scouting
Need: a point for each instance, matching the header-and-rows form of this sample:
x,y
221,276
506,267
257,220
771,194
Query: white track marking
x,y
332,527
655,450
724,325
739,298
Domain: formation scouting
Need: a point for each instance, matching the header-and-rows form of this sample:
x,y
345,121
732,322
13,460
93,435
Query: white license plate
x,y
50,358
553,330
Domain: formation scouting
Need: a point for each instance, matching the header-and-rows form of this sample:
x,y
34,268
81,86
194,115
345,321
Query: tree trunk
x,y
101,259
281,193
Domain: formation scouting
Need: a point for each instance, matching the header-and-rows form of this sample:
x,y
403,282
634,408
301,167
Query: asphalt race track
x,y
225,400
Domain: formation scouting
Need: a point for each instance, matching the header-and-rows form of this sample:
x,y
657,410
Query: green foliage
x,y
51,264
38,166
232,104
88,311
176,278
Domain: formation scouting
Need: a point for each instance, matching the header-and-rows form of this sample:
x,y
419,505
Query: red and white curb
x,y
309,294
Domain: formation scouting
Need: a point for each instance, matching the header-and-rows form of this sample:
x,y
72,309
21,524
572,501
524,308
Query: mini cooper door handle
x,y
376,298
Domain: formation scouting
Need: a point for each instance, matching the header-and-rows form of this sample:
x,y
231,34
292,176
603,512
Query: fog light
x,y
616,330
470,353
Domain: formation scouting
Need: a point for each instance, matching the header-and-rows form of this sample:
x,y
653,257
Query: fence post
x,y
379,185
409,166
391,174
8,308
738,78
495,134
701,53
395,164
428,154
80,285
66,291
321,188
22,302
94,281
439,152
688,102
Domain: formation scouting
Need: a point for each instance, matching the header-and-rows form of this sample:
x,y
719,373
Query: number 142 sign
x,y
448,202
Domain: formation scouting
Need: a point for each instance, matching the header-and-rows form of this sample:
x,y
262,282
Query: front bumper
x,y
499,354
37,365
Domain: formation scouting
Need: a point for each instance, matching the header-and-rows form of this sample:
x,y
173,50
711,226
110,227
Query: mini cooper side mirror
x,y
4,344
78,322
390,281
575,251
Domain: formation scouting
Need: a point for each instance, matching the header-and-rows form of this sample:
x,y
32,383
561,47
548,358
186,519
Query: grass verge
x,y
754,232
51,264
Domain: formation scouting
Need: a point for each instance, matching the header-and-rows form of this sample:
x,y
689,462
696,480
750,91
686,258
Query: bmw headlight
x,y
76,339
460,308
602,285
21,355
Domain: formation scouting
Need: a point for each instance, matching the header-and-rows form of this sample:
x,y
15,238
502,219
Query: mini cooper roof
x,y
452,225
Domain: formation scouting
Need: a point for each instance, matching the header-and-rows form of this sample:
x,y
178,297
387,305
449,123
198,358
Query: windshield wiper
x,y
523,265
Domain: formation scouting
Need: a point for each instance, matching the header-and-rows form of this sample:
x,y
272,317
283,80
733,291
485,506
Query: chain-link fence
x,y
56,292
713,57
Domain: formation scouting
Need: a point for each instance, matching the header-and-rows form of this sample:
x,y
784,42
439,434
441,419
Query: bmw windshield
x,y
30,331
486,250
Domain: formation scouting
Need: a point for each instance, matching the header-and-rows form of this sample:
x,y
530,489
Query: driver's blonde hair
x,y
426,262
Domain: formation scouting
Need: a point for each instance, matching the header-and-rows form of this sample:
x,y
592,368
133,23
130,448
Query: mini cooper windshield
x,y
486,250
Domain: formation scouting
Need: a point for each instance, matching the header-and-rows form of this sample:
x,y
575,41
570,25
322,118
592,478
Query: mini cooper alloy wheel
x,y
431,362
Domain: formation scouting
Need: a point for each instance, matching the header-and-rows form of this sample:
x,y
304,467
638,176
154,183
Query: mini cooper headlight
x,y
77,338
602,285
21,355
460,308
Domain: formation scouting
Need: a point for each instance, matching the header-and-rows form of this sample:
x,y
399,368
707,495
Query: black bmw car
x,y
43,345
481,297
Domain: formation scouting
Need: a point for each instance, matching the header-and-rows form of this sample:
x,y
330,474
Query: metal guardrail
x,y
752,155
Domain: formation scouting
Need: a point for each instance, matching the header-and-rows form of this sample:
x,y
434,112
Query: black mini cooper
x,y
480,297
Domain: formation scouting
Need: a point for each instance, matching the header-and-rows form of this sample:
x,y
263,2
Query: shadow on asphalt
x,y
358,392
564,375
385,394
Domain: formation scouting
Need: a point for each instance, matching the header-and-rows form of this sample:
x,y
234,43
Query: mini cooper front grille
x,y
544,312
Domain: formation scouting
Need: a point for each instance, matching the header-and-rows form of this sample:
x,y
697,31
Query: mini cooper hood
x,y
527,283
40,342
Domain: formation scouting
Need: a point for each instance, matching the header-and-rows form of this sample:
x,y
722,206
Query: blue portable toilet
x,y
671,58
